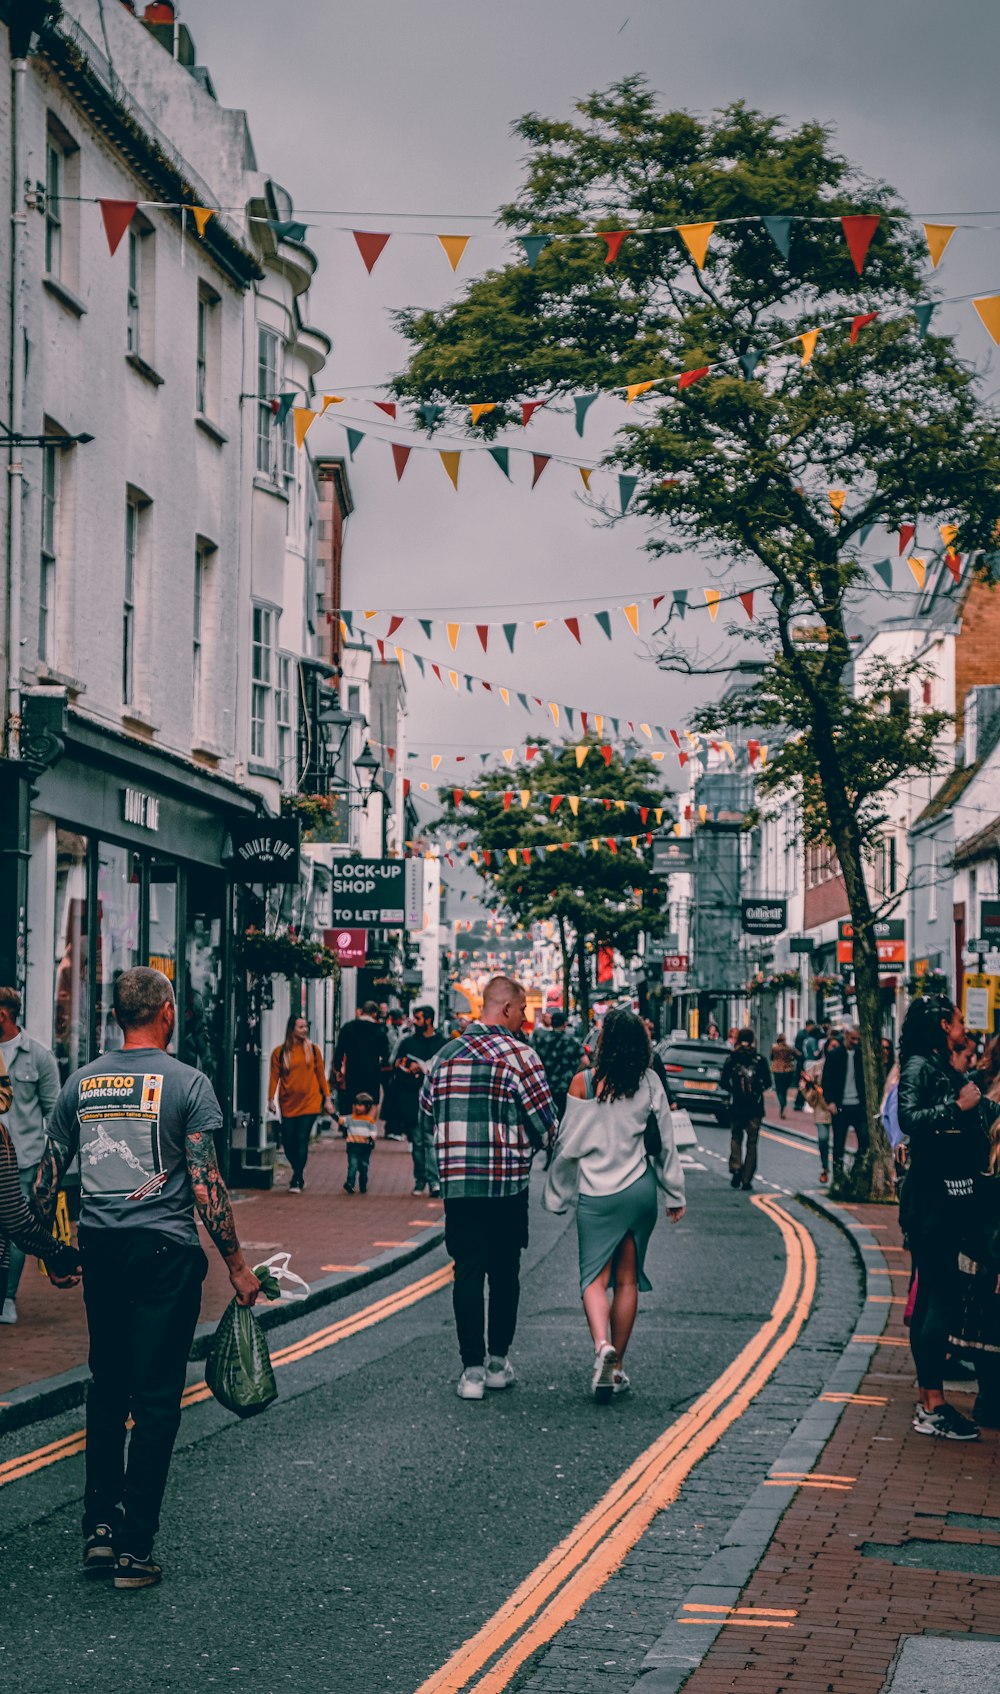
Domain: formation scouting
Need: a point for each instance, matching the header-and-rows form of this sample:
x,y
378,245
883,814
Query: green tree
x,y
741,462
595,898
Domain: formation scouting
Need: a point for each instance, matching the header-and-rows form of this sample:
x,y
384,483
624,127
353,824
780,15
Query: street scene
x,y
499,848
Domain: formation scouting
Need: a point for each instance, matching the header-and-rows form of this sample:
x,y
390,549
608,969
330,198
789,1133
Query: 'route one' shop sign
x,y
265,850
368,893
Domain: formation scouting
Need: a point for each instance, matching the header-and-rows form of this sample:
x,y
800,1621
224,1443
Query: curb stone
x,y
673,1657
55,1394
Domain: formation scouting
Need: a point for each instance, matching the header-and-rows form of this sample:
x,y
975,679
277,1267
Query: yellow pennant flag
x,y
541,623
713,596
585,475
450,463
452,631
331,400
371,614
619,805
658,756
658,813
809,340
453,679
454,246
727,747
400,659
695,238
919,569
505,696
836,497
512,855
554,709
574,803
763,757
474,856
302,417
581,753
525,797
989,311
677,829
201,215
635,841
594,843
474,793
692,737
702,814
435,761
598,723
948,533
634,389
938,237
632,615
481,408
647,732
425,786
508,754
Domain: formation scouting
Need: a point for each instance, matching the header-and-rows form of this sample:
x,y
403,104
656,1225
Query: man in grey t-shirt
x,y
144,1127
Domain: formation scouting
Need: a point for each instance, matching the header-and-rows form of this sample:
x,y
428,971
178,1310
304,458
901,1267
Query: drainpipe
x,y
15,465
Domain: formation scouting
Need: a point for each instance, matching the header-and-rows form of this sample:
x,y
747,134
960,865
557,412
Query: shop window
x,y
117,929
209,352
161,947
202,1017
268,386
71,1010
262,682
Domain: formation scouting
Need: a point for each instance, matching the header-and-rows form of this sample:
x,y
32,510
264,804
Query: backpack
x,y
746,1090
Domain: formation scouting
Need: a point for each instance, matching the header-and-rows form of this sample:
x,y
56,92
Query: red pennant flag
x,y
394,624
614,239
381,650
746,601
483,632
675,738
508,797
606,755
539,461
688,814
369,246
906,533
399,457
686,378
573,625
606,804
611,843
656,600
488,687
406,786
649,839
437,672
954,563
858,232
554,804
526,855
456,795
528,410
487,855
529,752
753,749
117,215
391,752
859,322
386,406
683,757
584,718
643,813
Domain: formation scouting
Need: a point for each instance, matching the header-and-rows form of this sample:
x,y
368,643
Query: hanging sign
x,y
265,850
350,945
979,1001
763,917
414,893
890,940
368,893
673,853
675,970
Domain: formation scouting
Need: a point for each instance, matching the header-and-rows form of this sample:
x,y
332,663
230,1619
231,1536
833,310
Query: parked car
x,y
694,1069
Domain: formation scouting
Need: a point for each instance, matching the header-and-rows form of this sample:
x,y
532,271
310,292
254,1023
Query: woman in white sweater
x,y
615,1147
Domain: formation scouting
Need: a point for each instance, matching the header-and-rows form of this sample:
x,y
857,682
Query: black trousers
x,y
295,1133
142,1292
743,1165
485,1238
849,1117
936,1308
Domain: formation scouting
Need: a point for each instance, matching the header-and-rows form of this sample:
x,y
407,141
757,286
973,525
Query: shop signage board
x,y
141,809
368,893
350,945
763,917
989,925
673,853
414,893
800,944
979,998
265,850
675,970
890,940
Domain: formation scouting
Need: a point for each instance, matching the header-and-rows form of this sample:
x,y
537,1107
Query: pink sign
x,y
350,945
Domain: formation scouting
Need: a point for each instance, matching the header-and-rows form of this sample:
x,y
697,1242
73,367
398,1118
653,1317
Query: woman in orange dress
x,y
298,1092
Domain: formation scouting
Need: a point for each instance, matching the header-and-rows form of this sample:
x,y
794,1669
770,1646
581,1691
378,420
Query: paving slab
x,y
929,1663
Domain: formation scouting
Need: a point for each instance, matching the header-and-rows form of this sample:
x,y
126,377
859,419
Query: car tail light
x,y
674,1070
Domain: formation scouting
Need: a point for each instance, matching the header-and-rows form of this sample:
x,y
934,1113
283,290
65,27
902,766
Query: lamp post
x,y
367,767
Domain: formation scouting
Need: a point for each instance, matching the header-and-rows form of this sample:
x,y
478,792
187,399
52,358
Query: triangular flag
x,y
626,489
456,796
539,462
501,457
581,753
753,750
614,239
452,630
483,632
554,804
858,232
450,462
864,532
395,622
399,457
283,404
523,698
686,378
919,569
542,623
369,246
533,245
528,410
386,406
749,362
302,417
989,311
201,215
634,389
508,797
508,754
504,694
585,476
953,561
713,596
288,229
859,323
695,238
482,406
680,603
435,761
780,231
948,532
453,679
554,709
430,414
581,405
454,246
510,630
330,400
906,533
632,618
603,621
573,625
512,855
836,497
922,313
425,624
702,814
574,804
938,237
809,340
525,798
354,440
746,601
117,215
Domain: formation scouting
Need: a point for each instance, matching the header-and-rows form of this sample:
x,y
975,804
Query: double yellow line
x,y
12,1470
557,1589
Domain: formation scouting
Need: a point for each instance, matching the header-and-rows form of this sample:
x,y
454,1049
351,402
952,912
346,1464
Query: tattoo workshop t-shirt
x,y
128,1114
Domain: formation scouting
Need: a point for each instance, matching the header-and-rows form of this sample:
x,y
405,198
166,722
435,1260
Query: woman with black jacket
x,y
945,1117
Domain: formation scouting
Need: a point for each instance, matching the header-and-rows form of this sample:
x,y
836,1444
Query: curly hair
x,y
622,1056
922,1035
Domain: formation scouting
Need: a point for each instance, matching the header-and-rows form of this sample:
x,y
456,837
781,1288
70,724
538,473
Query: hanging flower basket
x,y
317,813
931,982
774,983
285,954
828,985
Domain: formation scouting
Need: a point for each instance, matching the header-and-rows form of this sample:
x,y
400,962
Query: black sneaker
x,y
131,1572
734,1180
99,1552
435,1193
348,1188
945,1423
748,1188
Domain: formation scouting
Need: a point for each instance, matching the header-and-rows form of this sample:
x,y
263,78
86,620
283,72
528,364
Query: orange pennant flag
x,y
948,532
331,400
836,497
581,753
574,804
435,761
454,246
453,679
554,709
481,408
585,475
302,418
809,340
919,569
632,615
201,215
938,237
989,312
450,462
525,798
634,389
713,596
452,630
702,814
508,754
695,238
505,696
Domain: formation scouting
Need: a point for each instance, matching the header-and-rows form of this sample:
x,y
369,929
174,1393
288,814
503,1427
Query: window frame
x,y
55,154
48,571
267,453
262,667
133,292
285,724
133,518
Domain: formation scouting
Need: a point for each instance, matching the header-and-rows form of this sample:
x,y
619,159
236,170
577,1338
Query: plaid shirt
x,y
488,1105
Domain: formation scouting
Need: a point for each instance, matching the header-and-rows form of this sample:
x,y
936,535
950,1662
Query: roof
x,y
982,845
958,780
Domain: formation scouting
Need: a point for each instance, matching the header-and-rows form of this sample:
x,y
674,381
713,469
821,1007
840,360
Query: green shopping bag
x,y
238,1369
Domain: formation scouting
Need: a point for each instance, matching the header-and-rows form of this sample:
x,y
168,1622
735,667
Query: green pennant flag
x,y
626,489
468,684
285,404
288,230
659,732
425,624
614,725
680,604
883,569
749,363
604,622
628,754
568,713
582,404
780,231
510,630
354,440
418,661
348,620
533,245
524,701
922,313
501,457
865,532
430,414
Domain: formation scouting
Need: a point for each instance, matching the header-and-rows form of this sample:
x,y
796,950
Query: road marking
x,y
12,1470
786,1141
743,1611
855,1399
553,1594
343,1267
744,1623
882,1340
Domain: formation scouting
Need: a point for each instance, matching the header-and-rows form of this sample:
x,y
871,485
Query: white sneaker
x,y
9,1312
499,1373
602,1381
472,1383
621,1383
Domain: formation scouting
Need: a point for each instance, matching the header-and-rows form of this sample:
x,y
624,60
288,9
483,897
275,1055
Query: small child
x,y
813,1091
360,1141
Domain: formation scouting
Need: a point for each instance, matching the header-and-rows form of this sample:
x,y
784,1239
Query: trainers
x,y
734,1180
348,1188
602,1381
99,1552
499,1372
621,1383
748,1188
420,1188
131,1572
944,1422
8,1313
435,1193
472,1383
824,1176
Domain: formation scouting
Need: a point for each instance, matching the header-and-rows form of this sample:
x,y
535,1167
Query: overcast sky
x,y
405,106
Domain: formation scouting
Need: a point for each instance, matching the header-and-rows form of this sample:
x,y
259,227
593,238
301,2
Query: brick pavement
x,y
324,1229
837,1615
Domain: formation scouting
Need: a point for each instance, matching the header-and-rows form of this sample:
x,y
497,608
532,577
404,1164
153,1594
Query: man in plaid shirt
x,y
488,1105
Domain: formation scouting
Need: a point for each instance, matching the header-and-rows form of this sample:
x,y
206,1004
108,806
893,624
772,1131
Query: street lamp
x,y
368,767
334,727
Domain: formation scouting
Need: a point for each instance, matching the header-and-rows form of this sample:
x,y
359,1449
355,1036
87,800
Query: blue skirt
x,y
604,1220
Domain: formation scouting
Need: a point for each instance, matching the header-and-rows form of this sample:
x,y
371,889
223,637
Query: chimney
x,y
159,18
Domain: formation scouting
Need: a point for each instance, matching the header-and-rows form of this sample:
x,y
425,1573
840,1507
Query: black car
x,y
693,1071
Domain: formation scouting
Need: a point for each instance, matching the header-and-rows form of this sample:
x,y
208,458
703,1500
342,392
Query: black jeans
x,y
844,1118
359,1155
295,1133
936,1308
142,1291
782,1083
741,1165
485,1238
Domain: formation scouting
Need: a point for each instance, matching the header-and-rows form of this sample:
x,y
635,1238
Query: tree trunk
x,y
873,1179
564,950
583,980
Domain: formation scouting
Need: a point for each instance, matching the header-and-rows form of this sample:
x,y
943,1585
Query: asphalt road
x,y
353,1537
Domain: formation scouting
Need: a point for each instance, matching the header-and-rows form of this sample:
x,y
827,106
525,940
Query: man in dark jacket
x,y
746,1075
844,1091
361,1053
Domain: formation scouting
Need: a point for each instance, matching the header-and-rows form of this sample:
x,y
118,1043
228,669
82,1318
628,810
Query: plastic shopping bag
x,y
274,1273
238,1369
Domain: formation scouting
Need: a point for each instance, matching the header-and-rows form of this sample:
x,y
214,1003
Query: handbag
x,y
652,1139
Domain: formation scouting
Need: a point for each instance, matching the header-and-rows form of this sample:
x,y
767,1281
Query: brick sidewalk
x,y
324,1229
837,1615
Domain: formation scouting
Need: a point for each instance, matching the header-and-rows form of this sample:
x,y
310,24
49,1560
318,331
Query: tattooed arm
x,y
211,1196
